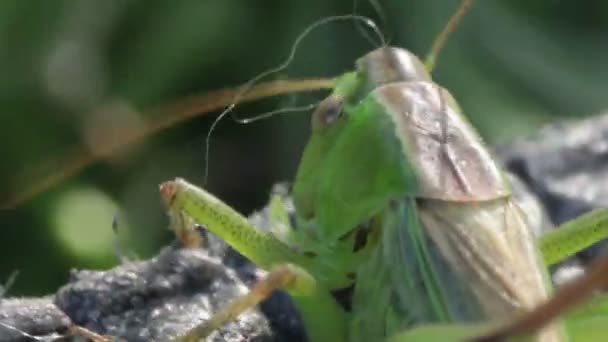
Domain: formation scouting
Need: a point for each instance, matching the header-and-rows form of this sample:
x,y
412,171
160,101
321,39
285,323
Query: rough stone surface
x,y
159,299
153,300
36,316
565,166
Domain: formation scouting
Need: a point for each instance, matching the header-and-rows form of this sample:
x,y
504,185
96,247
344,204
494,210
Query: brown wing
x,y
451,160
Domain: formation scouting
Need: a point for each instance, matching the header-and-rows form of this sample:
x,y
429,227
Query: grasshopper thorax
x,y
391,64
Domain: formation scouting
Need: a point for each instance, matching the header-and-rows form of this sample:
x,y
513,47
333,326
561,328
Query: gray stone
x,y
24,319
566,166
160,298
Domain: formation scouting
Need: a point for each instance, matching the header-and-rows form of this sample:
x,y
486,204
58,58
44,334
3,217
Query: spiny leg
x,y
315,302
574,236
262,248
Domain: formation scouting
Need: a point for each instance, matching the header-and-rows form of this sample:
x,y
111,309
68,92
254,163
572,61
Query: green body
x,y
397,198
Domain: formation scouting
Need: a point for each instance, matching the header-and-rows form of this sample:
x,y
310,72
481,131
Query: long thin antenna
x,y
244,90
383,21
166,116
451,25
266,115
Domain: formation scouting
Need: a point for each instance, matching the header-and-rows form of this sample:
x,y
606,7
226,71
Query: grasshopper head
x,y
353,163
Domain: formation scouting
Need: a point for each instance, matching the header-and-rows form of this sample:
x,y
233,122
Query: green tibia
x,y
574,236
263,249
312,297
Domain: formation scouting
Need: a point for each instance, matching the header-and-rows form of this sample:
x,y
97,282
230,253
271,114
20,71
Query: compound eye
x,y
328,112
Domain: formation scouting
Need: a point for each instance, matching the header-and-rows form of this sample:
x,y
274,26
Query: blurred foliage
x,y
71,66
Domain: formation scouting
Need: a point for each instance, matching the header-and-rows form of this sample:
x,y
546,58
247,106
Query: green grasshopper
x,y
398,201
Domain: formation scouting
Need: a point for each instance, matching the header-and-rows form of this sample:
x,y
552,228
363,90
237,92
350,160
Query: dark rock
x,y
24,319
160,298
566,166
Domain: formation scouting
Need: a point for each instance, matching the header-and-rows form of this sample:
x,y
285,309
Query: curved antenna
x,y
440,40
383,19
266,115
282,66
166,116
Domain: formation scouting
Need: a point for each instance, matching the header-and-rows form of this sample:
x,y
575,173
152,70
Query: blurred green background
x,y
70,68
